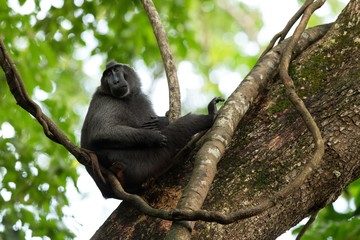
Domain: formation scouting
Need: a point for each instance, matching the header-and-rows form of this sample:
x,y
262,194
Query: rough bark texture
x,y
272,143
270,146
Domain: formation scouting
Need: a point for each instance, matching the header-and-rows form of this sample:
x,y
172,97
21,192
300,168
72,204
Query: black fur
x,y
122,128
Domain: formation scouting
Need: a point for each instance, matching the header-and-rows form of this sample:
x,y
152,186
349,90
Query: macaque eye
x,y
107,73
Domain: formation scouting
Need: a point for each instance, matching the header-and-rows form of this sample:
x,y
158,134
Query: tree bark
x,y
271,145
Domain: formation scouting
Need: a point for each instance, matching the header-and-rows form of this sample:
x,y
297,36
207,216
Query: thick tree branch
x,y
168,59
221,133
211,152
256,79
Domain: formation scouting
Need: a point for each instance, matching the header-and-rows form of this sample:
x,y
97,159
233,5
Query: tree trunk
x,y
271,145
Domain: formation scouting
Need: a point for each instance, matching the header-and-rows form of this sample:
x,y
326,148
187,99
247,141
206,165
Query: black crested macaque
x,y
128,138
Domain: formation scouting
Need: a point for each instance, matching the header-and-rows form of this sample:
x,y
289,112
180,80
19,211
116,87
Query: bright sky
x,y
89,210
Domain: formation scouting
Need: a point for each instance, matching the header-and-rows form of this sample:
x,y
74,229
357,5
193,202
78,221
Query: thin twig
x,y
168,59
282,34
307,225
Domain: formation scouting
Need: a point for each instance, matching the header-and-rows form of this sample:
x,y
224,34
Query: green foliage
x,y
34,171
331,224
